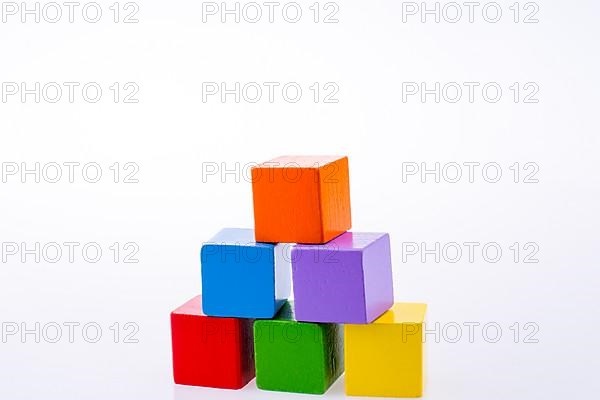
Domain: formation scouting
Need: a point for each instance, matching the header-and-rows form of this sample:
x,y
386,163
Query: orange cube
x,y
301,199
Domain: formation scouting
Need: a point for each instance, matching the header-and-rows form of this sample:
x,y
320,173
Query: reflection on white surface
x,y
336,391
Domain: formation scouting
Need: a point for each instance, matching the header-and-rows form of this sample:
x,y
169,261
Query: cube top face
x,y
347,241
241,278
212,352
237,236
348,280
299,161
297,357
301,199
403,313
191,307
286,313
386,359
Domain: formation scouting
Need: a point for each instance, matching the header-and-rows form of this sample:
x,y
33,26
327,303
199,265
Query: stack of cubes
x,y
343,316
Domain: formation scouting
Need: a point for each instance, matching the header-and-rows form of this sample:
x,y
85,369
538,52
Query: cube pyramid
x,y
343,315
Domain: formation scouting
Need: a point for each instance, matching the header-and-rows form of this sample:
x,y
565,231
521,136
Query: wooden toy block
x,y
213,352
296,356
242,278
348,280
301,199
385,358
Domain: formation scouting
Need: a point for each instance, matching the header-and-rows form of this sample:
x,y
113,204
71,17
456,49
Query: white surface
x,y
170,133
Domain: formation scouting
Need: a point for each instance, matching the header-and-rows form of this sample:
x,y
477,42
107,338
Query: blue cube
x,y
242,278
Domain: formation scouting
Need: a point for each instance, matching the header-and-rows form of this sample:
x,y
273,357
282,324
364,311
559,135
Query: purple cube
x,y
347,280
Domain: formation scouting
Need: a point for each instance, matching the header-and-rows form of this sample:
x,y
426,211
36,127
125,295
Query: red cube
x,y
211,351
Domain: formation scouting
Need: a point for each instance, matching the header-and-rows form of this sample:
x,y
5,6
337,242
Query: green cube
x,y
299,357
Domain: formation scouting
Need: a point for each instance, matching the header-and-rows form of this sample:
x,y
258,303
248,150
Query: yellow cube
x,y
385,358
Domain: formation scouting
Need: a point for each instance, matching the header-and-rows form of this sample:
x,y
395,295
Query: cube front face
x,y
211,352
289,357
301,199
297,357
244,280
328,287
385,358
348,280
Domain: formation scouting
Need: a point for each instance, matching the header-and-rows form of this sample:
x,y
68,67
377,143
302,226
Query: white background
x,y
171,134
